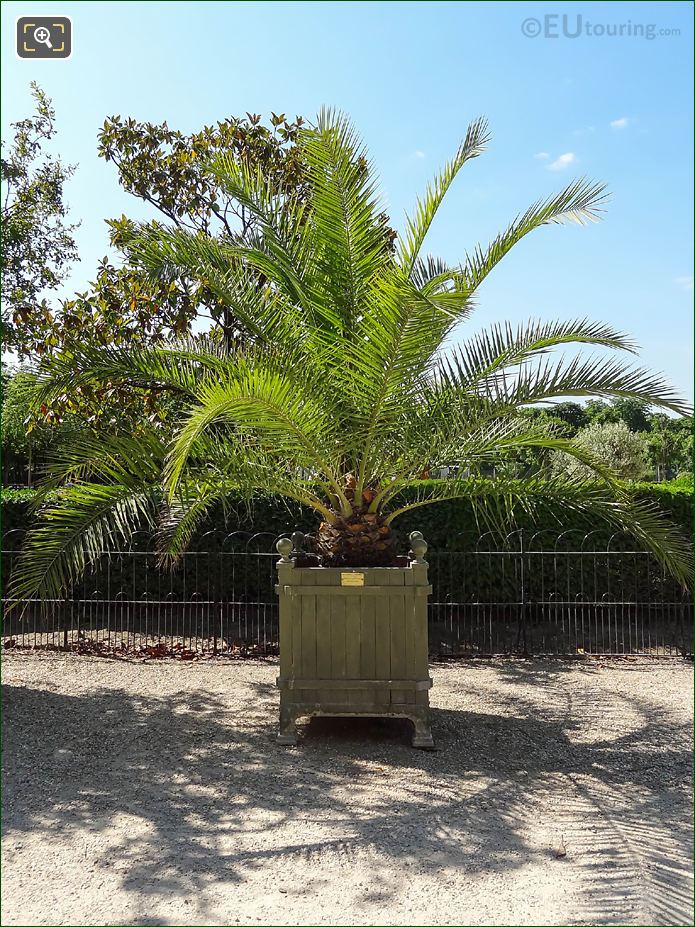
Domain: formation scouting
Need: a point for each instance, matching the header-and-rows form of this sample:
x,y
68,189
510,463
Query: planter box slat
x,y
398,633
355,684
359,591
368,638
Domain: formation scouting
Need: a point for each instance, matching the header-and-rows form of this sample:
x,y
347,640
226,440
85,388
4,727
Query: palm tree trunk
x,y
361,540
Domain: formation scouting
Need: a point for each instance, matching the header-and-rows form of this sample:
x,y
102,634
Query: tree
x,y
623,451
343,395
122,306
37,243
520,462
26,435
163,168
166,169
574,415
633,412
18,442
670,443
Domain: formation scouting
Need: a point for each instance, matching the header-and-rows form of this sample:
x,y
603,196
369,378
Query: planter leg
x,y
287,734
422,736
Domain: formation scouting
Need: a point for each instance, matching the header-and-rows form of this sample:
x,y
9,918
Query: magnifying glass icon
x,y
43,36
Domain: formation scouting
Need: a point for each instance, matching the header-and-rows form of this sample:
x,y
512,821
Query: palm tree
x,y
344,393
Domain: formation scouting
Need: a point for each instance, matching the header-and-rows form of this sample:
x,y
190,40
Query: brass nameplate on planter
x,y
352,579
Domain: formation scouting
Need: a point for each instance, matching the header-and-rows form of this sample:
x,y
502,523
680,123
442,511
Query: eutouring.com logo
x,y
575,26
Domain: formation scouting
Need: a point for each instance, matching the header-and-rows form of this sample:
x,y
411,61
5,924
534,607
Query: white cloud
x,y
418,154
685,282
620,123
588,130
542,156
559,164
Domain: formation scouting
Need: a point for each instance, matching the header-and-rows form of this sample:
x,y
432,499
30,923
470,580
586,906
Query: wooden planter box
x,y
354,642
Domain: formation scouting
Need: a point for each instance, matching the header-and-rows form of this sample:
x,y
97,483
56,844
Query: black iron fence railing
x,y
531,594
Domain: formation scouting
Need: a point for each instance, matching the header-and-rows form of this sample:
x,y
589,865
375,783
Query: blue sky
x,y
412,75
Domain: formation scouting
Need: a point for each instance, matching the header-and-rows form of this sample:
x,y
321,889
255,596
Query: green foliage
x,y
453,524
448,526
36,242
14,495
16,509
169,171
122,307
18,427
572,414
623,451
25,436
669,440
670,445
32,431
675,498
633,412
343,394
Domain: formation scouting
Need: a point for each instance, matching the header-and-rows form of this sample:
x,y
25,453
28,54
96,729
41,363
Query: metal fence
x,y
532,594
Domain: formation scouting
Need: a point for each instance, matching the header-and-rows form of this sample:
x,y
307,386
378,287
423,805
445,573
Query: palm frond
x,y
74,530
104,458
495,503
579,202
579,377
264,406
473,145
180,516
176,367
503,348
437,436
350,247
224,268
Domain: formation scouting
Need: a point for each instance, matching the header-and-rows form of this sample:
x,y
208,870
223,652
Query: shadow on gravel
x,y
188,767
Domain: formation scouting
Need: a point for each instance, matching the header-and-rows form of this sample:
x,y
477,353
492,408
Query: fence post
x,y
522,616
64,621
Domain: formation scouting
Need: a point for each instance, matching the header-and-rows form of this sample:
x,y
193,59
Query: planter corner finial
x,y
418,547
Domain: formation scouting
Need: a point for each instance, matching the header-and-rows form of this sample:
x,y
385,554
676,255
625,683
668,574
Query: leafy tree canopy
x,y
28,432
122,306
633,412
572,414
625,452
19,426
36,240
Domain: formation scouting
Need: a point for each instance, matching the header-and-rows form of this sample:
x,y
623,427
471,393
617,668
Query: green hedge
x,y
675,498
457,572
13,496
446,525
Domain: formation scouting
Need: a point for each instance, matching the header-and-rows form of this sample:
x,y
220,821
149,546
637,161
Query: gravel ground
x,y
560,793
